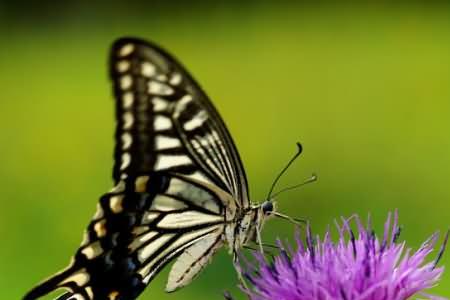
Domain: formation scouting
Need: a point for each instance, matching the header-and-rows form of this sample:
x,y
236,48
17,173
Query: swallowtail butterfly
x,y
180,188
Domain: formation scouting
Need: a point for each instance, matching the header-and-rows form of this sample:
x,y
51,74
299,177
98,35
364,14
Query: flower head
x,y
363,267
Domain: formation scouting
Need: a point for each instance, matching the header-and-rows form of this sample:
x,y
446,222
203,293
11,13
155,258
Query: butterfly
x,y
180,191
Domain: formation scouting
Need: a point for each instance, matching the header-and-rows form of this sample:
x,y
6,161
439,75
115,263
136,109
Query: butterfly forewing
x,y
165,122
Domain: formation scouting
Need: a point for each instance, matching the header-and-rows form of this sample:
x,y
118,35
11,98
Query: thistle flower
x,y
362,267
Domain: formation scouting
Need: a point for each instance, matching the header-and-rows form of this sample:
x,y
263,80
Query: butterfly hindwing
x,y
192,261
137,230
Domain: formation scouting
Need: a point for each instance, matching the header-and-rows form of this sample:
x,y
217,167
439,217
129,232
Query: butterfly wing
x,y
192,261
166,122
178,181
137,230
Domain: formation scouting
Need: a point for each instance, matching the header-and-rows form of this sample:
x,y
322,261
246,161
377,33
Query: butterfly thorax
x,y
244,227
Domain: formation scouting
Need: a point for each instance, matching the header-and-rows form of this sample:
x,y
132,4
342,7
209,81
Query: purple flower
x,y
362,267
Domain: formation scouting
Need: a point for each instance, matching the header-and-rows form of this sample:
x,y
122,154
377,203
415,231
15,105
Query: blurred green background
x,y
365,89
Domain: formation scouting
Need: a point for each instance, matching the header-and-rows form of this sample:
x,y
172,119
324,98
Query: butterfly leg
x,y
238,268
259,240
295,221
271,246
268,252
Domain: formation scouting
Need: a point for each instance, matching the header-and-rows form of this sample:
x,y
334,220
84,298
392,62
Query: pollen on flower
x,y
358,266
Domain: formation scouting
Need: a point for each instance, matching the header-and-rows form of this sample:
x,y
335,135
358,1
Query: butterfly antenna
x,y
299,151
307,181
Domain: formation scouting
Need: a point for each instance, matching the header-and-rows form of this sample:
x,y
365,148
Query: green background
x,y
365,89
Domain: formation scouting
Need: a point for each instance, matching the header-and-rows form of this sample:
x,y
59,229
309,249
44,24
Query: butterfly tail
x,y
51,284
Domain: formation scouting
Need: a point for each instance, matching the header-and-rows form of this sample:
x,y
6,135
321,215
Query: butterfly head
x,y
267,207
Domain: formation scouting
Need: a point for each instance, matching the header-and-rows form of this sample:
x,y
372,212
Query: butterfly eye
x,y
267,207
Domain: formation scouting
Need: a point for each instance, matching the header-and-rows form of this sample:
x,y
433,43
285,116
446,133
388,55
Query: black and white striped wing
x,y
167,123
139,227
178,177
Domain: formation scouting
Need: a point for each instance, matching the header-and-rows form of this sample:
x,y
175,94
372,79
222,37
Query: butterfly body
x,y
180,189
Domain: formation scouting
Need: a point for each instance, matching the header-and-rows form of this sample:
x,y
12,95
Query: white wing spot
x,y
126,50
92,250
149,217
126,158
168,161
89,292
113,295
164,142
162,123
148,69
165,203
115,204
80,278
185,100
127,100
206,140
159,104
123,66
127,120
100,228
126,141
175,79
196,121
159,88
182,103
187,219
125,82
